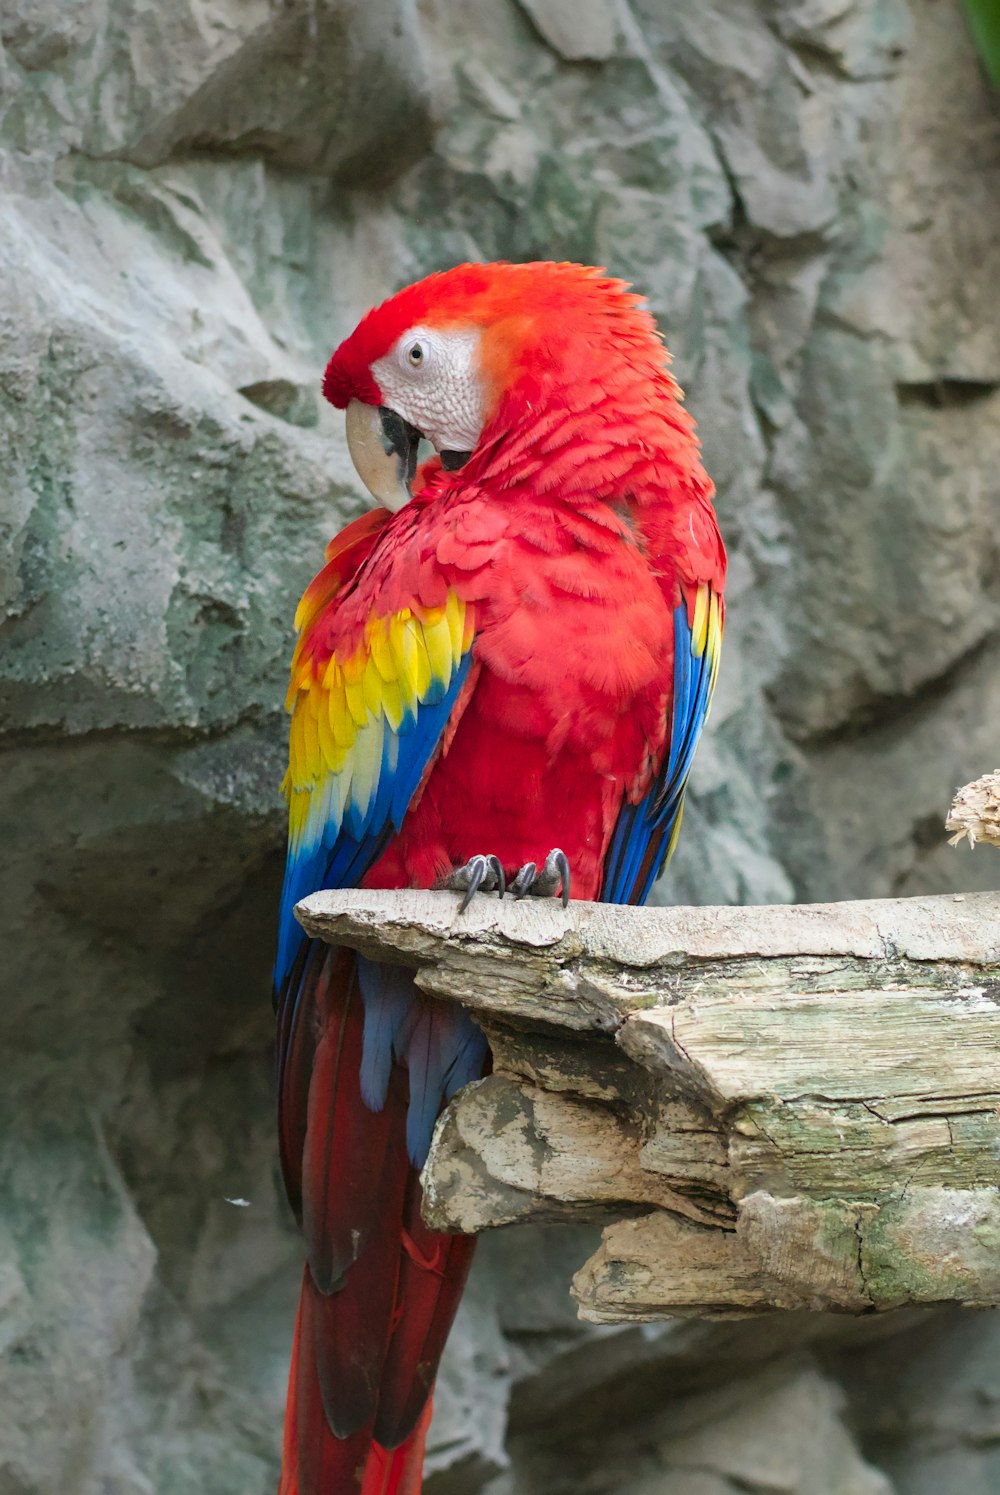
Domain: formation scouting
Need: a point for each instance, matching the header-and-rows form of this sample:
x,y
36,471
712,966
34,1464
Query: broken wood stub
x,y
782,1107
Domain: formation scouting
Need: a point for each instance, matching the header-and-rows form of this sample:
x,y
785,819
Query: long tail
x,y
360,1464
359,1061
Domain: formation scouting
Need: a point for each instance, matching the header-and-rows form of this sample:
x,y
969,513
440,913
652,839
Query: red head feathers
x,y
487,354
529,316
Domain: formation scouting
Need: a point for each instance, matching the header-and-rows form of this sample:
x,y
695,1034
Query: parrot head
x,y
468,356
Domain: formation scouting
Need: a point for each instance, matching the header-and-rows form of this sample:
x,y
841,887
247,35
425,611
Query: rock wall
x,y
197,200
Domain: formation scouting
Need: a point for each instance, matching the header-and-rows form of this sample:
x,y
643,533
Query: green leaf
x,y
984,22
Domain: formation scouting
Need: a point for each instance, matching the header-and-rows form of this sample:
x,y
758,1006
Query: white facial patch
x,y
431,378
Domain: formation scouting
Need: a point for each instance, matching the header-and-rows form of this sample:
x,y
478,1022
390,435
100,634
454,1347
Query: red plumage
x,y
576,534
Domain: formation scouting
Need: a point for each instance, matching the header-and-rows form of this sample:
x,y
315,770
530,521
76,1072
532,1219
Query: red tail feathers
x,y
316,1462
398,1471
380,1289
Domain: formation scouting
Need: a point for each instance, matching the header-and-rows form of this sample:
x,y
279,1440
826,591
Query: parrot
x,y
499,681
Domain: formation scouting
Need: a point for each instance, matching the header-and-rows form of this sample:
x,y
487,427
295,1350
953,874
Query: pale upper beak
x,y
383,448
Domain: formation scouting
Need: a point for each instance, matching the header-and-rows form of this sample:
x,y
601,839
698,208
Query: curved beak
x,y
383,448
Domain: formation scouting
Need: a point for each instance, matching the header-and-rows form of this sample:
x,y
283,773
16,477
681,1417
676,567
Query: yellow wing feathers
x,y
706,627
346,708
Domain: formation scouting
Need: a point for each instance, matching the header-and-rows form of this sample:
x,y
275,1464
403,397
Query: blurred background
x,y
198,200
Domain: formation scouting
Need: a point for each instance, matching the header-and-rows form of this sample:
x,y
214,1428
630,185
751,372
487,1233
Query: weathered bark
x,y
975,812
779,1107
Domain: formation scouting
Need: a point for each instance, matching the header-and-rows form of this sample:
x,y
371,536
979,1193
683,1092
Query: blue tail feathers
x,y
438,1042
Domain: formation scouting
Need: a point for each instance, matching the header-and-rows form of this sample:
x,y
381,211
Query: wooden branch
x,y
975,812
781,1107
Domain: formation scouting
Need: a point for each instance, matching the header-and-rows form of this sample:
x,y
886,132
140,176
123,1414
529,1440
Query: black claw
x,y
479,872
562,866
555,875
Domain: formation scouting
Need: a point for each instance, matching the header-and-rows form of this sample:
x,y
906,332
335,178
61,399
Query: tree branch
x,y
780,1107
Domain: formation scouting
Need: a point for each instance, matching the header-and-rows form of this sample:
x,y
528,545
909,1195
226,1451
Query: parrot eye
x,y
431,379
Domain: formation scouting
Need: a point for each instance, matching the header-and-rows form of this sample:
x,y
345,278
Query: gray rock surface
x,y
198,198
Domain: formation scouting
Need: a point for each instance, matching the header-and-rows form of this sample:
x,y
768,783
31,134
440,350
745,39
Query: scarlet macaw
x,y
500,678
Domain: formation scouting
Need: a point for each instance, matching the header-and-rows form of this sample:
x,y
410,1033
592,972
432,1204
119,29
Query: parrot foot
x,y
555,874
480,874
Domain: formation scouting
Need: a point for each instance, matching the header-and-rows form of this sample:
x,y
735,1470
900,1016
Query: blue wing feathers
x,y
690,707
438,1043
346,851
644,832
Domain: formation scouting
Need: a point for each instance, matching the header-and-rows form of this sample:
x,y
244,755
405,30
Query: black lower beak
x,y
401,439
